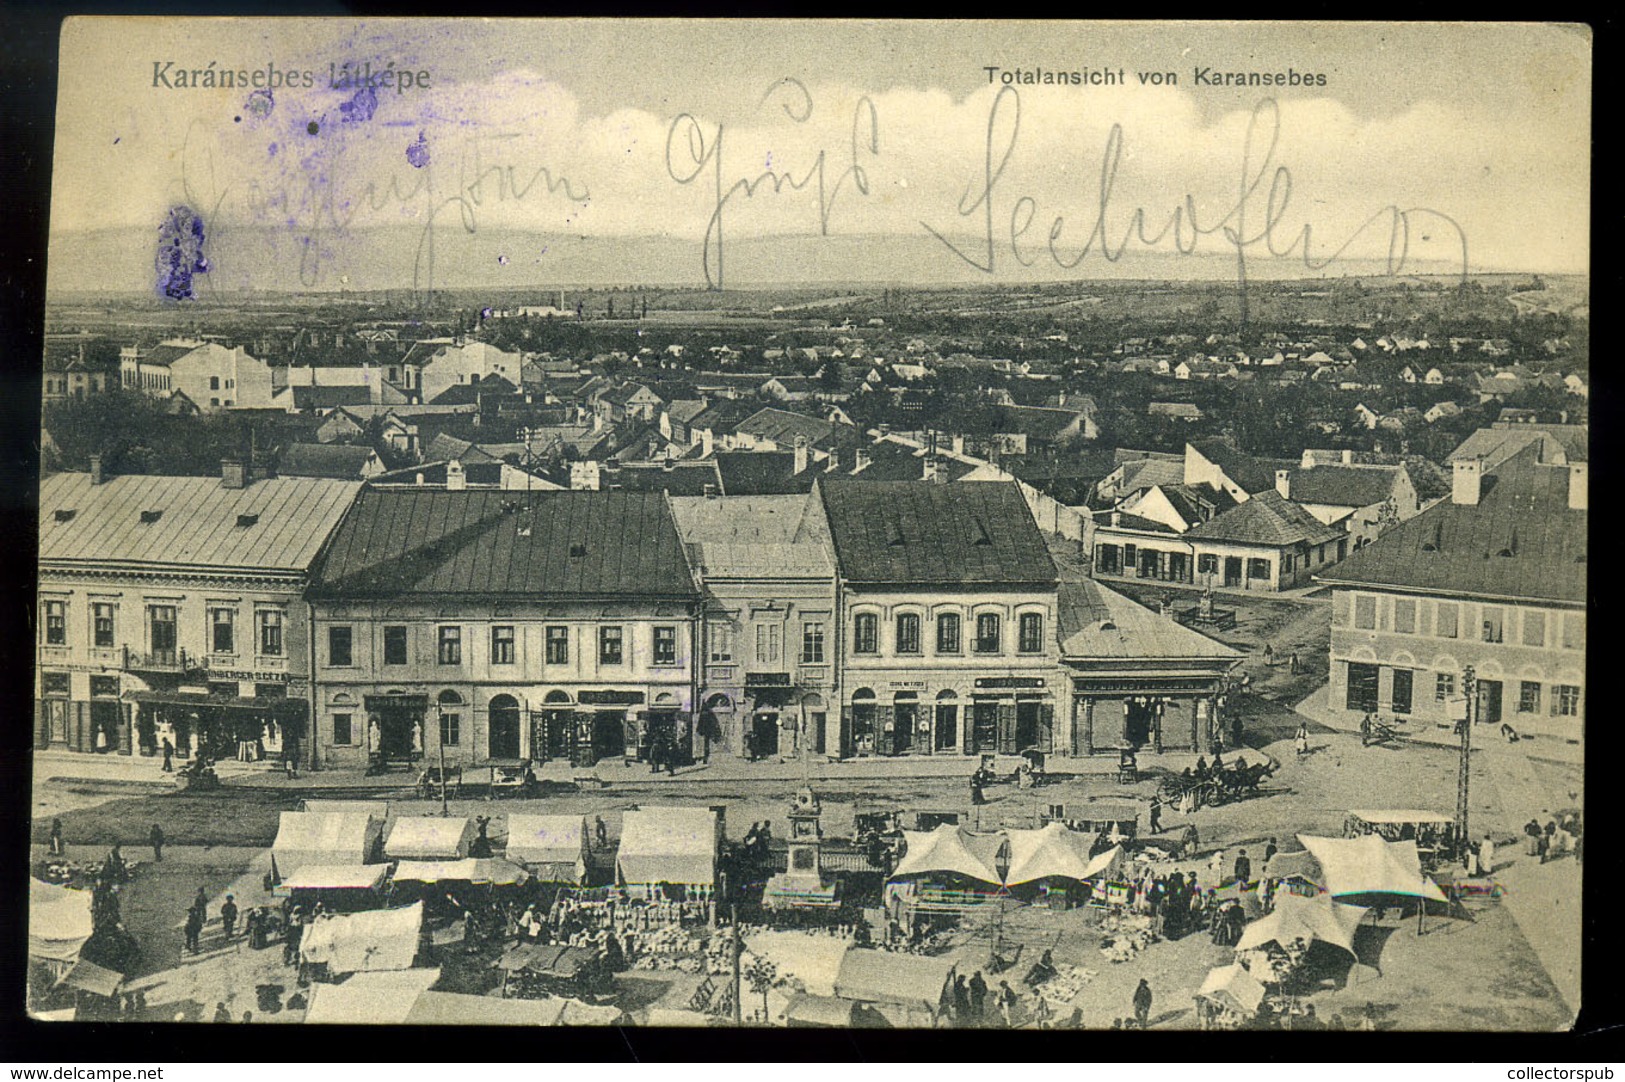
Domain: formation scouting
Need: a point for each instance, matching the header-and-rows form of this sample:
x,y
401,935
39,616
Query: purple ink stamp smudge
x,y
259,104
418,152
361,106
180,254
271,150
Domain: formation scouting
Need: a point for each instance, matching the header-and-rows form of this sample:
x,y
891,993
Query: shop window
x,y
558,644
1365,611
270,632
908,633
722,641
866,633
223,631
948,633
1108,559
54,683
1566,700
104,687
451,646
340,643
270,691
1493,625
56,623
502,651
611,646
1405,616
987,633
101,625
665,645
1031,640
395,645
1258,569
1444,687
1534,627
1445,617
343,729
1529,697
812,642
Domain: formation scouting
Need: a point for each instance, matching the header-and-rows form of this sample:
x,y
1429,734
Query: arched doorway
x,y
503,721
814,717
947,722
715,719
451,719
905,722
552,728
863,721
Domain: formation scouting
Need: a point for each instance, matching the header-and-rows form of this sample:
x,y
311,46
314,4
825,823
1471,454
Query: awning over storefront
x,y
259,704
336,877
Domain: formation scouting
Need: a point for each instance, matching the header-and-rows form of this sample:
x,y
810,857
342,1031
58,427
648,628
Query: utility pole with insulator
x,y
1469,687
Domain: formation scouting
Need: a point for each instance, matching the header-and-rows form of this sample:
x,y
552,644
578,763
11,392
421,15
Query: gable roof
x,y
1501,441
1343,486
762,473
1098,622
1520,540
918,532
679,479
328,397
341,461
1266,519
539,544
197,523
1240,467
783,426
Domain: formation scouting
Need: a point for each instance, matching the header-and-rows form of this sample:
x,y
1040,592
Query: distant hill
x,y
247,258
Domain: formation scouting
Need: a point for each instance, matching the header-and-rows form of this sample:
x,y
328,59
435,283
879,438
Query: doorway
x,y
1489,701
905,719
947,727
104,726
764,731
397,729
1232,570
1137,722
863,722
608,734
1362,689
1029,732
503,718
984,726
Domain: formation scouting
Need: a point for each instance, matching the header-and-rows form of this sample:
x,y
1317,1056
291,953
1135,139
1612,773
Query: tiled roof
x,y
1520,540
1040,422
681,479
1242,468
1496,445
1146,472
755,535
1266,519
783,426
1343,486
540,544
917,532
336,460
197,520
762,473
1098,622
306,398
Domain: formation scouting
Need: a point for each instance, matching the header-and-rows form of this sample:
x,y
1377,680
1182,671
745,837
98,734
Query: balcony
x,y
165,661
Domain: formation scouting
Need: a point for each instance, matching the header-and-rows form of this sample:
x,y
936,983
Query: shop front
x,y
1158,713
219,724
395,726
1004,715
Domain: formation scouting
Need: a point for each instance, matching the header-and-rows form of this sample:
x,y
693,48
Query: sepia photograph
x,y
842,524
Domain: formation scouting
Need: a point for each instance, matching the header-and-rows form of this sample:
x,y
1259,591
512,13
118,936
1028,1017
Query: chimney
x,y
885,430
456,480
861,459
1578,486
708,443
930,472
96,474
1283,484
233,474
801,455
833,462
959,445
1467,479
710,491
1117,518
1348,458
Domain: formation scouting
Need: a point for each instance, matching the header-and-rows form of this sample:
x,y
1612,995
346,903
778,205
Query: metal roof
x,y
1099,622
1266,519
573,544
196,523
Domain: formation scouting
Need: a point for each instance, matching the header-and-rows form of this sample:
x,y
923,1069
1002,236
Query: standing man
x,y
1269,655
978,996
600,832
194,929
59,848
1531,838
1142,1004
156,840
1155,818
1244,869
228,915
169,756
1292,663
1007,1004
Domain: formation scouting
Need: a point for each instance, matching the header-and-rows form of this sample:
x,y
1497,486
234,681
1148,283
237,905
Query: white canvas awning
x,y
1234,983
1055,852
458,1009
59,922
473,870
1298,864
1402,815
947,849
668,845
1307,919
905,980
429,838
376,940
336,877
555,846
1371,865
325,838
376,999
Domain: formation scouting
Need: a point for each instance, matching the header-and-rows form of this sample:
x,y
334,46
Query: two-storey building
x,y
1493,578
504,625
947,609
172,608
210,375
769,631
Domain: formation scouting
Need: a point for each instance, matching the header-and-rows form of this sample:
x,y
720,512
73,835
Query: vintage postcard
x,y
1021,525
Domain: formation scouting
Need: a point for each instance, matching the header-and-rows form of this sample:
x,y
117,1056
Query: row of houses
x,y
335,622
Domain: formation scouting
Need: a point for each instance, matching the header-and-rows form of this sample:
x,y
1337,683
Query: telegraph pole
x,y
1469,687
443,812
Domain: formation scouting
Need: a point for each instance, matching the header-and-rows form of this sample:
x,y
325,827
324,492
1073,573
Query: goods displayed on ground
x,y
1125,935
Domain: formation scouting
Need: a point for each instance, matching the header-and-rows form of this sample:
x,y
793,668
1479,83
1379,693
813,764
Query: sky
x,y
611,129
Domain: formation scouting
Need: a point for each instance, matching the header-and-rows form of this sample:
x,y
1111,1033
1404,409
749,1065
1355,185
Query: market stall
x,y
906,989
1372,865
333,877
326,838
381,939
429,838
1433,832
458,1009
377,999
481,871
668,846
553,847
1297,872
1229,998
534,970
59,923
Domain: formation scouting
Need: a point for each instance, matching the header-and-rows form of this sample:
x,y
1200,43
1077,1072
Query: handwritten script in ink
x,y
1246,226
689,151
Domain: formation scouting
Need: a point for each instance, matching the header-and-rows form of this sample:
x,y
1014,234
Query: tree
x,y
762,973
